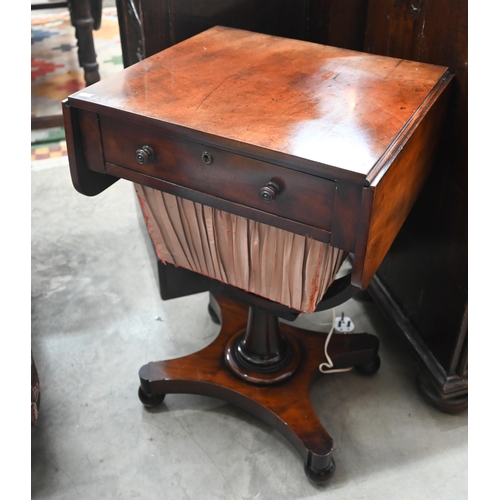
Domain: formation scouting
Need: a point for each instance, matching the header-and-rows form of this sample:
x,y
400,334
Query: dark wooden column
x,y
86,17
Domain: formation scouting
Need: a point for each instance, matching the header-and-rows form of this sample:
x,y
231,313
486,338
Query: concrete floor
x,y
97,317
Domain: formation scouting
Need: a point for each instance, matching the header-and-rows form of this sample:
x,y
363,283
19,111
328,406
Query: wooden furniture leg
x,y
86,17
266,368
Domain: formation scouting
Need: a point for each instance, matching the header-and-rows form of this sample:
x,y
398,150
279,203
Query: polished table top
x,y
333,106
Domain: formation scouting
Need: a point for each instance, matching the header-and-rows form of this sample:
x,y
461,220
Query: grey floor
x,y
97,317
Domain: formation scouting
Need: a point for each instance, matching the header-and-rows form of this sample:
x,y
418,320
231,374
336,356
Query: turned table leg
x,y
84,23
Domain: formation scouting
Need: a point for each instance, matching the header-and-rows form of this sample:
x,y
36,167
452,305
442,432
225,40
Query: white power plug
x,y
343,324
339,325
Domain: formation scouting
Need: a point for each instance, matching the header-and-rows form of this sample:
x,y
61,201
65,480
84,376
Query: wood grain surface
x,y
332,106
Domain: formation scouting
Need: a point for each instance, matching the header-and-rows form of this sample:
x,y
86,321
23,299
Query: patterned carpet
x,y
55,72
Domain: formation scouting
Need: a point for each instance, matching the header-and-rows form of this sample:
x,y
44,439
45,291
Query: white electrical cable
x,y
328,366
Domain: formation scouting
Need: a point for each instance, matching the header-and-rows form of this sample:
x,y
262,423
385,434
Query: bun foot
x,y
321,476
150,400
370,368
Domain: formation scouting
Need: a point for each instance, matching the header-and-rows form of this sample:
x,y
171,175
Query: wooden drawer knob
x,y
269,192
144,155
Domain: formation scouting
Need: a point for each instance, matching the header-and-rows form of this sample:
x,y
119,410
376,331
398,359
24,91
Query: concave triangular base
x,y
284,405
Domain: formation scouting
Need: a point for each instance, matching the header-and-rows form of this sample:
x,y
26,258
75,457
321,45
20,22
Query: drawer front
x,y
297,196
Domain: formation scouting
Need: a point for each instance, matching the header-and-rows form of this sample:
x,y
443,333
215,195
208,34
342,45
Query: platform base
x,y
284,405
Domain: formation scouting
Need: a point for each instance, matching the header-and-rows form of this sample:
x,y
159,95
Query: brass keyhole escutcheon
x,y
207,158
144,155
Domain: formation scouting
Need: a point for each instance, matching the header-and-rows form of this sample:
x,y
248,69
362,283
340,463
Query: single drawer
x,y
257,184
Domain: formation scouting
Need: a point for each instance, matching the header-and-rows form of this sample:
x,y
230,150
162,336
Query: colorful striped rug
x,y
55,72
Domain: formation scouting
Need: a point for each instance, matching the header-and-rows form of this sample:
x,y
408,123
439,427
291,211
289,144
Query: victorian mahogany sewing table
x,y
322,142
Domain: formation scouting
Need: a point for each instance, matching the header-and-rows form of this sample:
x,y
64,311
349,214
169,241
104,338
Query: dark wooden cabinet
x,y
146,27
422,282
